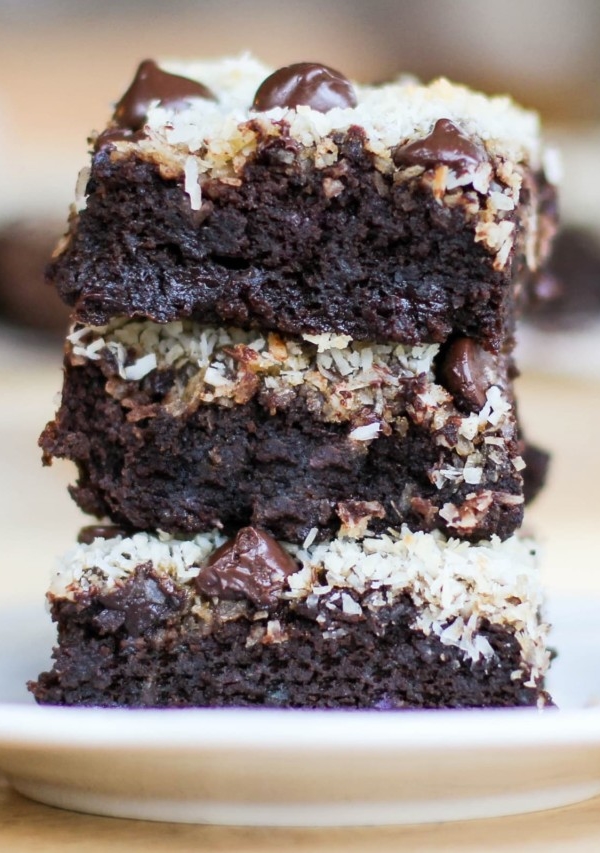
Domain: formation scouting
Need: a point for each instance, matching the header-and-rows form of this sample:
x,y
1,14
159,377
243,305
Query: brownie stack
x,y
288,393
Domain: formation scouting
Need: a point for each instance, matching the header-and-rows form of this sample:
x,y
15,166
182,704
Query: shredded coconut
x,y
365,433
192,184
454,584
344,381
213,139
402,109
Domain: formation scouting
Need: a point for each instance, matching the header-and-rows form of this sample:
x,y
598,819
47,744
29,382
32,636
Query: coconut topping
x,y
454,584
466,147
374,388
403,110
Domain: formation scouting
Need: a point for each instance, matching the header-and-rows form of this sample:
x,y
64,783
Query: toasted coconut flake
x,y
455,585
192,183
343,381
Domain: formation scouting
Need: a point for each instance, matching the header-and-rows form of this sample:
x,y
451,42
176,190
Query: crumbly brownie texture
x,y
412,214
398,621
182,427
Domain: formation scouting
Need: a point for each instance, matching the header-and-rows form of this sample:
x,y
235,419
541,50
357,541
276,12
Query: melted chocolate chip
x,y
253,566
308,84
150,84
446,145
118,134
467,371
99,531
140,604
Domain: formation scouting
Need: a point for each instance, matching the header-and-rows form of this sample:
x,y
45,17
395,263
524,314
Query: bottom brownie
x,y
301,631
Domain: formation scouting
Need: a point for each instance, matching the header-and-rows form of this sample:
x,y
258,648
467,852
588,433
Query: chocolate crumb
x,y
99,531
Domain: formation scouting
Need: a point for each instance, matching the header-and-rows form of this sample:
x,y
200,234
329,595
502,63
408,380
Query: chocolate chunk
x,y
305,83
150,84
140,604
467,371
253,565
99,531
446,145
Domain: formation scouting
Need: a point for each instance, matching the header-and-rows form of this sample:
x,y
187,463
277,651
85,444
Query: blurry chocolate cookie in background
x,y
26,301
561,328
567,295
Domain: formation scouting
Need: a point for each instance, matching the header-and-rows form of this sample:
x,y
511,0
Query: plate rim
x,y
23,724
244,728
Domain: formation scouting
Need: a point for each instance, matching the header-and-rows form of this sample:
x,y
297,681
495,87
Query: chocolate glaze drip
x,y
150,84
446,145
252,565
467,371
305,83
99,531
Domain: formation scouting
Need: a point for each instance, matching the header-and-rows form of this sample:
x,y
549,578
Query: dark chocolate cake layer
x,y
400,212
154,453
382,260
141,646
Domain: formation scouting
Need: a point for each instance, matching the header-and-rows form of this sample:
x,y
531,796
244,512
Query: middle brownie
x,y
182,427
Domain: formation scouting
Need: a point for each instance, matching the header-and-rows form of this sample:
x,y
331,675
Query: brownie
x,y
434,445
150,640
288,394
417,232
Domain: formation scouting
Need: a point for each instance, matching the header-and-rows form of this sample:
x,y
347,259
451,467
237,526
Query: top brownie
x,y
297,201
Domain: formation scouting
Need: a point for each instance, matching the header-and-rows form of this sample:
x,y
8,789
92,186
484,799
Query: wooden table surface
x,y
26,826
38,521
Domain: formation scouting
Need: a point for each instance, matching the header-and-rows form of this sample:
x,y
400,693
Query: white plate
x,y
275,767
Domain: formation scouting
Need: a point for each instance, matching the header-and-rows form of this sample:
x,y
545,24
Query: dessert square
x,y
402,212
289,396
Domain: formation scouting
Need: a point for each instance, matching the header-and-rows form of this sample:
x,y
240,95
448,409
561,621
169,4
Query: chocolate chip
x,y
446,145
141,603
99,531
151,84
467,371
252,565
308,84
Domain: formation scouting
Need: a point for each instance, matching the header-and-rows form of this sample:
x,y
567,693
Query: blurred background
x,y
64,63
